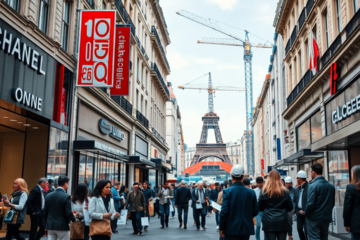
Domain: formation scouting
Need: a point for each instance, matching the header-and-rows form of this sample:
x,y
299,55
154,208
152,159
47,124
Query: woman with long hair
x,y
351,212
101,206
17,203
275,202
79,202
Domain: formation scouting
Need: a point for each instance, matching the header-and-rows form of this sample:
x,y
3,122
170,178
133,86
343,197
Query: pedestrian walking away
x,y
80,202
172,200
199,201
18,204
319,205
351,212
58,212
300,203
149,196
238,208
275,202
291,189
182,198
137,208
164,195
258,218
35,208
117,203
214,194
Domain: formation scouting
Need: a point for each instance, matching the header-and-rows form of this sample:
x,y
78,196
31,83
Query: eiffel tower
x,y
210,121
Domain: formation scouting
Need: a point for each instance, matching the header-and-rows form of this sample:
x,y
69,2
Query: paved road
x,y
174,232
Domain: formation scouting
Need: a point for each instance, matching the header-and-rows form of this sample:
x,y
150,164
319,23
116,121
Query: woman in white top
x,y
79,202
101,205
17,203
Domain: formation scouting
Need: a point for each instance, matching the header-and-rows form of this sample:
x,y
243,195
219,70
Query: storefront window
x,y
316,129
339,174
303,135
152,178
122,173
57,155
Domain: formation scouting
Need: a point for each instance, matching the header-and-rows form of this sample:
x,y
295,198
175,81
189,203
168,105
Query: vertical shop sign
x,y
122,60
96,48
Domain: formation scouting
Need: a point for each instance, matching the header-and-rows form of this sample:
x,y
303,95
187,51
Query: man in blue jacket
x,y
319,206
117,204
213,197
239,207
149,196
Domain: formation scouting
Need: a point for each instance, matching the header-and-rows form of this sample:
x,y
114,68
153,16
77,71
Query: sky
x,y
189,60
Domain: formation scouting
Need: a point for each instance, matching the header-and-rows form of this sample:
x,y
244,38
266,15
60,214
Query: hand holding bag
x,y
77,230
11,217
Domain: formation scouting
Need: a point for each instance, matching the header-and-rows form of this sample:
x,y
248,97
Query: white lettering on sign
x,y
28,99
348,109
21,51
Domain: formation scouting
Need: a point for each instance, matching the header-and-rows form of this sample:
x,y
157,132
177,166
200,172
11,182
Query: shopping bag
x,y
123,217
77,230
171,208
199,206
151,208
144,221
86,217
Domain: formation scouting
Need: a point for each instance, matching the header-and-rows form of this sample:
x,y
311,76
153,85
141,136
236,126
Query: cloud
x,y
205,61
177,61
265,13
225,4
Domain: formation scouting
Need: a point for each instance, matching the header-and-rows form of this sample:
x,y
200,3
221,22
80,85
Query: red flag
x,y
314,55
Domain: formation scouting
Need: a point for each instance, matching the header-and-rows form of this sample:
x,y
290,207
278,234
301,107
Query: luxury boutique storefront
x,y
35,105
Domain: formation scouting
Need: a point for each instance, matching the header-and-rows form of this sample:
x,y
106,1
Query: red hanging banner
x,y
96,48
122,60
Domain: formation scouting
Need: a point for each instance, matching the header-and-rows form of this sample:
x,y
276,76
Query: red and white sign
x,y
122,60
96,49
262,164
334,75
314,54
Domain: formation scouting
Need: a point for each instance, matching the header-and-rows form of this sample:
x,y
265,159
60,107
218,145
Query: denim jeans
x,y
136,220
317,230
164,213
276,235
200,213
173,204
258,219
180,208
217,218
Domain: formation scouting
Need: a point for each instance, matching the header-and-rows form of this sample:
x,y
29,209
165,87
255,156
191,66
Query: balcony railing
x,y
155,68
143,50
309,5
138,41
288,46
91,3
124,14
335,46
294,35
353,24
299,87
154,31
142,119
302,18
123,103
158,136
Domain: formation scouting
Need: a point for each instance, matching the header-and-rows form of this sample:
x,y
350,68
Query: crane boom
x,y
206,23
229,42
213,89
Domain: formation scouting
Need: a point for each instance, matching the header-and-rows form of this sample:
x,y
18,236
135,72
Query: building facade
x,y
321,108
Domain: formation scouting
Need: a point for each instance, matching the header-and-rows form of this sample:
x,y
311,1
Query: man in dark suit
x,y
51,186
213,197
199,199
239,207
300,203
58,213
182,198
35,205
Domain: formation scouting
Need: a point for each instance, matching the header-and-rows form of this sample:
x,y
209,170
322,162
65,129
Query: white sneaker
x,y
217,228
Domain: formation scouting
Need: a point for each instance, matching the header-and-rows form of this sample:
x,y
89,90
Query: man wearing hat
x,y
239,207
182,198
300,203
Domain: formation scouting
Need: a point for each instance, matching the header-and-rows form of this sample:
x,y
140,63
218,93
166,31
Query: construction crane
x,y
248,74
211,90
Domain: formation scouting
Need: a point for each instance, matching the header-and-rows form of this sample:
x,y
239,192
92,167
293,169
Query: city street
x,y
174,232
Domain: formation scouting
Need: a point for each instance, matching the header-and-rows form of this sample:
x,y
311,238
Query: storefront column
x,y
131,175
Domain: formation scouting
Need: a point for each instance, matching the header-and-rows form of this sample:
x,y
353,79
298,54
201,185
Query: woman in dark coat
x,y
275,202
351,212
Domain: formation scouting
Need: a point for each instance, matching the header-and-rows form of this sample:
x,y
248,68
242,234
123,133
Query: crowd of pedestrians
x,y
245,210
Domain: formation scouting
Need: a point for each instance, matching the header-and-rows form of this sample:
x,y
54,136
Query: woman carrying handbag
x,y
79,202
17,204
101,211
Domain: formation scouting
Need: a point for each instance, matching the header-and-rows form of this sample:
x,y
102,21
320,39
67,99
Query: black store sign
x,y
27,73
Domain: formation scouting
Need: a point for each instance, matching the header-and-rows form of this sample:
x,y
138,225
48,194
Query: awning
x,y
162,164
300,157
141,160
343,139
99,148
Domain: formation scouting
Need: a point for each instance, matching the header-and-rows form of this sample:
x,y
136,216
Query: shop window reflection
x,y
57,155
316,129
339,174
303,135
